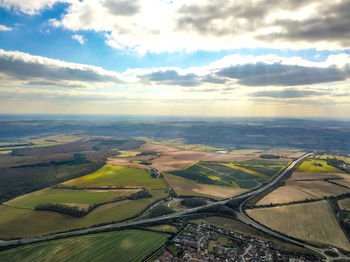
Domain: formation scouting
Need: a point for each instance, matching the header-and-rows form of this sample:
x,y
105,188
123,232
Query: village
x,y
205,242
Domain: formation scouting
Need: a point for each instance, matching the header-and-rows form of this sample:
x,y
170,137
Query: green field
x,y
16,222
117,176
317,165
128,245
66,196
244,174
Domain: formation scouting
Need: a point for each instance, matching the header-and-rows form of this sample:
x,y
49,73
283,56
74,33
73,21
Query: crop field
x,y
125,153
314,222
284,194
343,158
117,176
163,228
317,165
187,187
179,143
245,174
127,245
344,204
17,222
67,196
301,186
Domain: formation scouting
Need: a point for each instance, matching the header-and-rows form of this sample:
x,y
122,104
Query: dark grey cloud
x,y
122,8
204,18
172,77
33,70
262,74
330,22
287,93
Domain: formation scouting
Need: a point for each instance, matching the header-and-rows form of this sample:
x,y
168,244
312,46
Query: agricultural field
x,y
315,165
187,187
127,245
117,176
163,228
314,222
179,143
125,153
344,204
244,174
67,196
17,222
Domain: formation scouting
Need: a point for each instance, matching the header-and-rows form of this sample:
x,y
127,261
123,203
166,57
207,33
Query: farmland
x,y
15,222
243,174
128,245
313,222
67,196
187,187
317,165
117,176
344,204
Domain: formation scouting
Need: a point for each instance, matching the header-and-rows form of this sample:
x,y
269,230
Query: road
x,y
242,216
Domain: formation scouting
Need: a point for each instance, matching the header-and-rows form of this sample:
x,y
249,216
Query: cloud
x,y
5,28
30,7
172,77
122,8
211,25
261,74
79,38
288,93
25,67
328,23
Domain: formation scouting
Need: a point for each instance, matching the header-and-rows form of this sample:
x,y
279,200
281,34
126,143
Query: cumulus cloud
x,y
5,28
288,93
327,23
25,67
262,74
30,7
212,25
79,38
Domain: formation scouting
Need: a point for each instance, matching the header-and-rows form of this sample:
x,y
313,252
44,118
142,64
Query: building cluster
x,y
155,173
211,243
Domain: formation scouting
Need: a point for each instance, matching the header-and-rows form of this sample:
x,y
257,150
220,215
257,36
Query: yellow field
x,y
186,187
344,204
316,165
244,169
15,222
117,176
163,228
314,222
68,197
125,153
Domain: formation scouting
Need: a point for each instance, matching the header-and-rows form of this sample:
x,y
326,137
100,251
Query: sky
x,y
273,58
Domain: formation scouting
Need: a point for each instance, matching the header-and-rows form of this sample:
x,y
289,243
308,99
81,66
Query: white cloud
x,y
79,38
30,7
5,28
158,25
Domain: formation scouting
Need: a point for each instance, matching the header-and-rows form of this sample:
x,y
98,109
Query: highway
x,y
242,216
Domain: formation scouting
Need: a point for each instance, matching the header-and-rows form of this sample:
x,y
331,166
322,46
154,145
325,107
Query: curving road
x,y
242,216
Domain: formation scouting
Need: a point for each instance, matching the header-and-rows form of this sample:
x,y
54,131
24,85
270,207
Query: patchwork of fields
x,y
243,174
128,245
18,222
314,179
